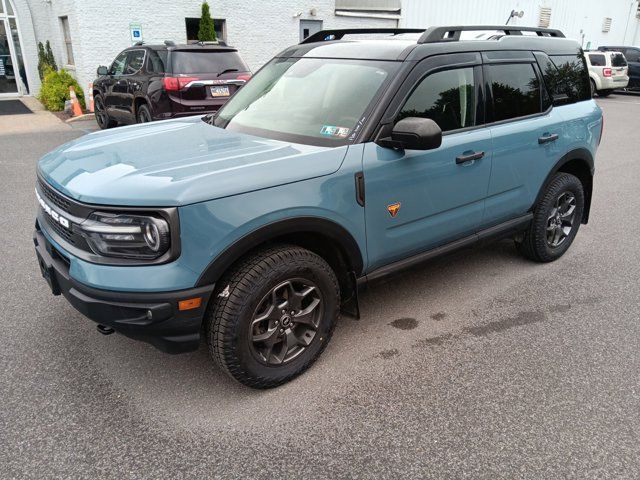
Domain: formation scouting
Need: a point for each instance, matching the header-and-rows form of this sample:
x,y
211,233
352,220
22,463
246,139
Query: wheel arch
x,y
580,163
324,237
137,101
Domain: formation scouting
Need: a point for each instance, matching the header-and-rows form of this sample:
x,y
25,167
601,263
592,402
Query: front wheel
x,y
272,315
556,219
102,117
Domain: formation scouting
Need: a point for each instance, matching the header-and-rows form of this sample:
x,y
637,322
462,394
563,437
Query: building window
x,y
193,25
66,34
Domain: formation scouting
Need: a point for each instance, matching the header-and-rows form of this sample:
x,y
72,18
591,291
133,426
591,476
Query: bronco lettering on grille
x,y
52,213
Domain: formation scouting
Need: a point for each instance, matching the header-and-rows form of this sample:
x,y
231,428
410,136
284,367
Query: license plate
x,y
219,91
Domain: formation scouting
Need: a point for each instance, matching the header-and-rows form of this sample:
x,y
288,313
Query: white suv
x,y
608,71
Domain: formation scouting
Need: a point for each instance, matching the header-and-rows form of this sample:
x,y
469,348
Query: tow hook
x,y
104,330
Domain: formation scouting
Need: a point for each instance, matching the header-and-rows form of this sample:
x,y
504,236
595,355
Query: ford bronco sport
x,y
341,162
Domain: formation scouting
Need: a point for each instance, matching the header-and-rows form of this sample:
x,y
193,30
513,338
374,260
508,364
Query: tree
x,y
50,58
206,32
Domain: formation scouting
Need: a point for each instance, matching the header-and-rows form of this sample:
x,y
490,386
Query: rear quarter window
x,y
207,61
515,89
597,59
567,75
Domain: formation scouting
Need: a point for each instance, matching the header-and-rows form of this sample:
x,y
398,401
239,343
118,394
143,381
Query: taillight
x,y
244,76
606,72
173,84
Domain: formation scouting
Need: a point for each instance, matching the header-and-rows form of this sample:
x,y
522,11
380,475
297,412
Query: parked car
x,y
608,71
632,56
339,163
157,82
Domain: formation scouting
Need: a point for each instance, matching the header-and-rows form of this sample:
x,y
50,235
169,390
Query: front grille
x,y
60,230
54,197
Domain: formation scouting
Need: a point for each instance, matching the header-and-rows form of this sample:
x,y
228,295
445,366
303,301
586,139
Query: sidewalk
x,y
40,121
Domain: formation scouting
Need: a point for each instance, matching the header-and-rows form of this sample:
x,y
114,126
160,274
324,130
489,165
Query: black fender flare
x,y
290,226
583,156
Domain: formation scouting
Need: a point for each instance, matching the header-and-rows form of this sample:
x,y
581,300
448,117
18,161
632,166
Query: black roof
x,y
415,44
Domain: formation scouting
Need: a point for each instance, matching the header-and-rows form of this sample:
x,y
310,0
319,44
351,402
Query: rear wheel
x,y
144,114
556,219
273,315
102,117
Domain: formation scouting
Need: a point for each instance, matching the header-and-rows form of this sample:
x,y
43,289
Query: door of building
x,y
309,27
13,79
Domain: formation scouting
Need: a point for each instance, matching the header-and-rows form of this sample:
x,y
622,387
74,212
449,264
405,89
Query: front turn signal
x,y
190,303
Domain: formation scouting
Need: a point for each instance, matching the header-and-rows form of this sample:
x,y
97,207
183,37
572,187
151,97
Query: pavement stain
x,y
387,354
438,316
522,318
439,340
404,323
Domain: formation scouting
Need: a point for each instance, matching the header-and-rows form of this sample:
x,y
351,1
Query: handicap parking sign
x,y
136,32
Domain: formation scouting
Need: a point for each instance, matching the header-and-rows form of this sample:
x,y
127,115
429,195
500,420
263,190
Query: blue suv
x,y
341,162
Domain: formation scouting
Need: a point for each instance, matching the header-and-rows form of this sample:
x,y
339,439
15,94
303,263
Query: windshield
x,y
307,100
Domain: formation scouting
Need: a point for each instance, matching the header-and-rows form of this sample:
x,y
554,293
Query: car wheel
x,y
593,87
102,117
272,315
144,114
556,220
604,93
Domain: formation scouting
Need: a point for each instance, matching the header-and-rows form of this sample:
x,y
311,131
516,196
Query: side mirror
x,y
102,70
414,133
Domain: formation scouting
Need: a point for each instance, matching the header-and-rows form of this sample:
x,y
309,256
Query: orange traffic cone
x,y
91,97
75,104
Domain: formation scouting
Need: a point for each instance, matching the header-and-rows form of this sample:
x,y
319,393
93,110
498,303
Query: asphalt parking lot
x,y
478,365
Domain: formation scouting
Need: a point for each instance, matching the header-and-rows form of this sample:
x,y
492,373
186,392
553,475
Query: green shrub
x,y
55,90
206,32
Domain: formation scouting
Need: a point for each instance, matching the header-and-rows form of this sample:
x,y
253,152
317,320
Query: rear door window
x,y
157,61
597,59
446,97
515,90
207,61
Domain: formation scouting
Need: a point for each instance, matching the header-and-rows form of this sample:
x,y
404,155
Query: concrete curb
x,y
85,116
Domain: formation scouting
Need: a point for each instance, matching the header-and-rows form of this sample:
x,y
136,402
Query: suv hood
x,y
178,162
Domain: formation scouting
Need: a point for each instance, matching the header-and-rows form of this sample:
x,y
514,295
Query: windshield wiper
x,y
228,70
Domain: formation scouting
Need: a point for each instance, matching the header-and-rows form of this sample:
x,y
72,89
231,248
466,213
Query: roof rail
x,y
169,43
452,34
137,44
326,35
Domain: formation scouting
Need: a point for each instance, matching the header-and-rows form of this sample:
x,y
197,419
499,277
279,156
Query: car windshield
x,y
307,100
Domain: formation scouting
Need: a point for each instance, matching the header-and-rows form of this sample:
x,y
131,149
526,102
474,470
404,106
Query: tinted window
x,y
134,64
157,61
516,91
573,78
632,55
618,60
117,67
447,98
210,61
597,60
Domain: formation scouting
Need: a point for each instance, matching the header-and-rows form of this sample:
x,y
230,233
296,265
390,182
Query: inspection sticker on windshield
x,y
332,131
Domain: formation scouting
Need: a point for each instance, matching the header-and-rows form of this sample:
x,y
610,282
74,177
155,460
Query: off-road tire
x,y
533,244
238,295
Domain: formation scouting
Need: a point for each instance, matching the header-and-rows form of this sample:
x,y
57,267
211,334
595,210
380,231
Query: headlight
x,y
126,236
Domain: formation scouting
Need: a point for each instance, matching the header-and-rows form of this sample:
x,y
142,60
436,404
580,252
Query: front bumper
x,y
150,317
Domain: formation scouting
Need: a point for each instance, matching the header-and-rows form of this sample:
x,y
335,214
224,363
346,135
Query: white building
x,y
88,33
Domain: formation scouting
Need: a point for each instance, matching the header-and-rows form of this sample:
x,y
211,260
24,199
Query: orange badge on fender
x,y
393,209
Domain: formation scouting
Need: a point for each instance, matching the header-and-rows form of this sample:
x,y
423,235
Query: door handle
x,y
548,138
470,157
